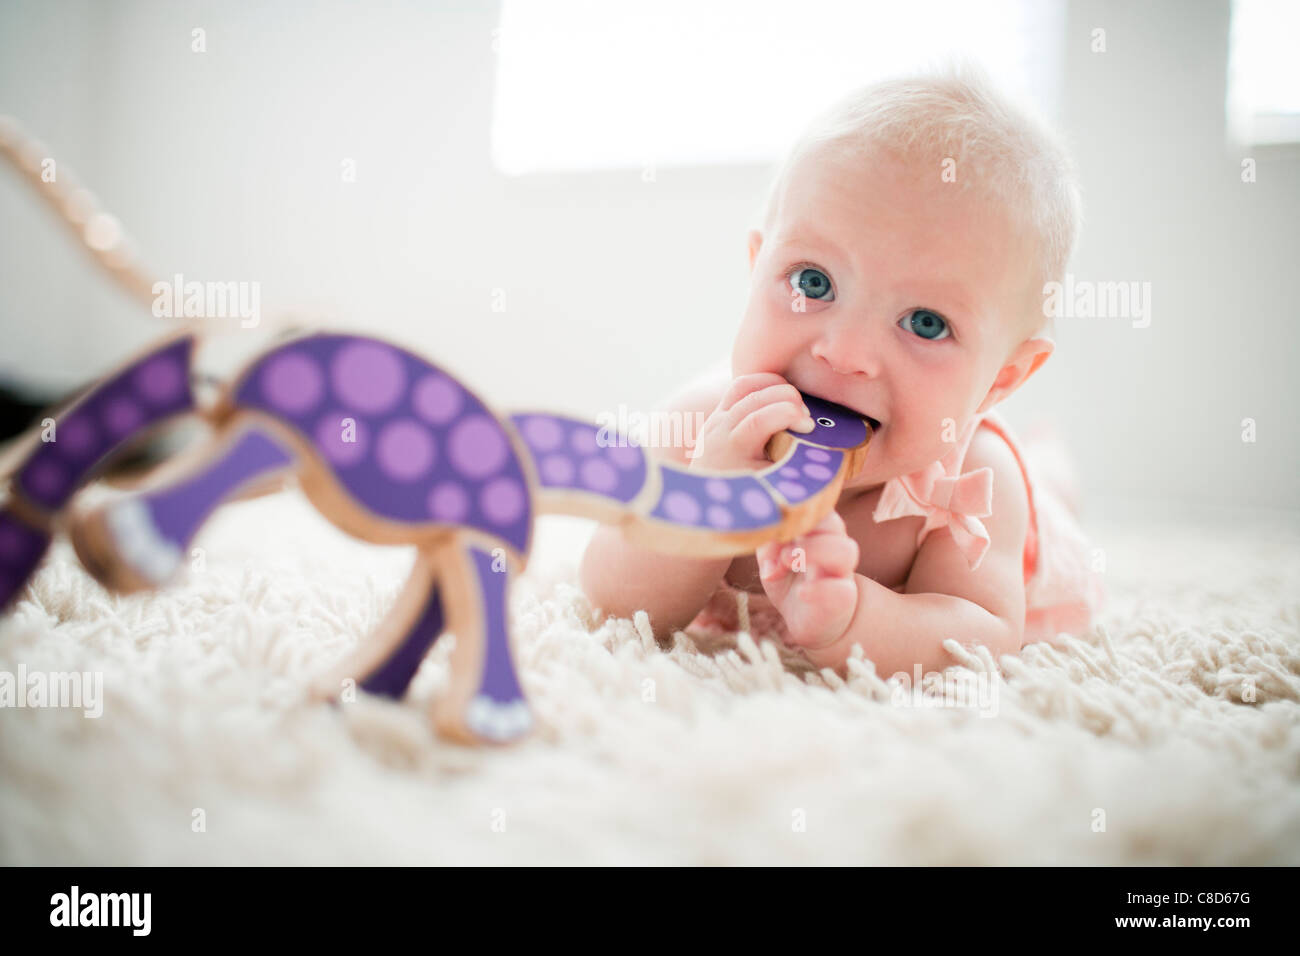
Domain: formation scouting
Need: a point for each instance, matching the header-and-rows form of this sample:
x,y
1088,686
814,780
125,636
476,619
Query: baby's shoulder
x,y
988,449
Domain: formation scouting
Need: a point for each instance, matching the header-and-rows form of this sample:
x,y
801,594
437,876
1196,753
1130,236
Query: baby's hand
x,y
811,582
753,409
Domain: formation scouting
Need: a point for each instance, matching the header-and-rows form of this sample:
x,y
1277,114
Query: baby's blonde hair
x,y
954,113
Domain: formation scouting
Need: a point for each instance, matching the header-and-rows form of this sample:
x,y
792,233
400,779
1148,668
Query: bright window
x,y
585,85
1264,72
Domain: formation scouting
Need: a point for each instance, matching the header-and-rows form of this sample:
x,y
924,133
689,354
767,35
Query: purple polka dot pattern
x,y
565,455
405,451
682,507
160,380
624,457
368,376
599,475
739,503
503,500
576,456
342,439
110,414
426,450
21,550
793,491
557,470
293,383
750,502
803,474
478,447
756,503
448,502
717,489
77,439
719,517
121,417
542,434
583,441
48,477
437,399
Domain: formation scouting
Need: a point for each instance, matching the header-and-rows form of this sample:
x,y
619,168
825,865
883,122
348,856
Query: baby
x,y
899,271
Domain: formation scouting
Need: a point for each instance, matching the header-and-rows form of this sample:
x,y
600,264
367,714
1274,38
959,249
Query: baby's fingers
x,y
771,395
831,554
758,426
771,560
832,523
748,385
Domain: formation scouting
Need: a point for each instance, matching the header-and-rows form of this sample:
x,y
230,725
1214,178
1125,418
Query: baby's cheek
x,y
923,435
754,329
768,339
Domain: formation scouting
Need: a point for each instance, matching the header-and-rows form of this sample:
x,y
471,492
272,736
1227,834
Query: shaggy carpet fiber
x,y
1167,735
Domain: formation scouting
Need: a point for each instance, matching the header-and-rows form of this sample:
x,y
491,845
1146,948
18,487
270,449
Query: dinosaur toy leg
x,y
139,541
485,701
387,661
458,587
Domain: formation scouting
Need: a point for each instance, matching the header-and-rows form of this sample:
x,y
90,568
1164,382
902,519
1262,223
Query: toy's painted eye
x,y
835,426
926,324
813,283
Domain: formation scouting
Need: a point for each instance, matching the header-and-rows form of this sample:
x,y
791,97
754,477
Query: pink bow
x,y
954,502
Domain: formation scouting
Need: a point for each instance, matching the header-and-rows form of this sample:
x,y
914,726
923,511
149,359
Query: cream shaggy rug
x,y
1169,735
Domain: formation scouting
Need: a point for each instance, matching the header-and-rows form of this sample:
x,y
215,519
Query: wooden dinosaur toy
x,y
393,449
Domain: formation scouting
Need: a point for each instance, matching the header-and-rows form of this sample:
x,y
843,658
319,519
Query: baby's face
x,y
913,295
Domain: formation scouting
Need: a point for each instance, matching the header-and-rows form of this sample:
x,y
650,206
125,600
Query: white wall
x,y
226,166
1157,412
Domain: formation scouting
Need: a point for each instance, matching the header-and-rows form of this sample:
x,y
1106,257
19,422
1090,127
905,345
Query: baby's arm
x,y
942,598
621,577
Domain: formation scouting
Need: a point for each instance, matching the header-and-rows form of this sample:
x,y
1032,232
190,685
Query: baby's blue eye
x,y
814,283
926,324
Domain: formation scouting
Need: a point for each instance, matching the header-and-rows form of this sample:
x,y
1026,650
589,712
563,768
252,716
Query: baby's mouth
x,y
875,423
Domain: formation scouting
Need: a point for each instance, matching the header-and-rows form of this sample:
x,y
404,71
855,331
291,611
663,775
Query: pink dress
x,y
1062,592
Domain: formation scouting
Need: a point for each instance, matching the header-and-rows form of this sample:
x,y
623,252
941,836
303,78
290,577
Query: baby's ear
x,y
1024,362
755,241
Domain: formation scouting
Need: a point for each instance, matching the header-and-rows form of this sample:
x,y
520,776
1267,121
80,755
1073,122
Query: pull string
x,y
101,234
97,231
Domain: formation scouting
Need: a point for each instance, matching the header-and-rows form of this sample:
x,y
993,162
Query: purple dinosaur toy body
x,y
394,450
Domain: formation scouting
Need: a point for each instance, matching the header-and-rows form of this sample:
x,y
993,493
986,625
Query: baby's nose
x,y
846,353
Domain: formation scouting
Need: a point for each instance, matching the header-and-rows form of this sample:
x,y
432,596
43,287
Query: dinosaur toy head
x,y
837,426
